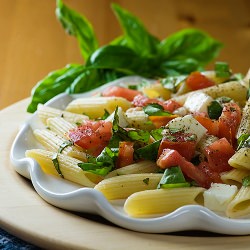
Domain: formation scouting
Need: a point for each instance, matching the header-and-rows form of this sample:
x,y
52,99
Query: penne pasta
x,y
234,90
159,201
68,167
240,205
45,112
53,142
120,187
60,126
95,107
234,177
241,159
244,127
136,168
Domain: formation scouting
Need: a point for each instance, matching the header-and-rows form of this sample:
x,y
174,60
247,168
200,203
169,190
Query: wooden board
x,y
24,214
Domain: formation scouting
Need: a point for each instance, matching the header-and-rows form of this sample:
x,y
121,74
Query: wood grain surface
x,y
26,215
33,42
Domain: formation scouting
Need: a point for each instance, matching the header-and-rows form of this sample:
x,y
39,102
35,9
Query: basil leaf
x,y
246,181
55,83
78,26
214,110
102,164
243,141
149,152
157,133
116,57
222,70
136,35
56,164
64,145
173,177
172,82
155,109
191,44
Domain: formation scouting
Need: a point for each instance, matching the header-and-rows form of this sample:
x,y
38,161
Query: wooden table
x,y
24,214
33,43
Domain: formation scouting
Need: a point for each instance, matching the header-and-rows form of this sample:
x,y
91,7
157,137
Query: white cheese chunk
x,y
218,196
198,102
187,124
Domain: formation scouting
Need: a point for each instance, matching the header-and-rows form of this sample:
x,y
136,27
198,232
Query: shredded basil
x,y
243,141
64,145
214,110
56,164
149,152
246,181
172,82
173,178
155,109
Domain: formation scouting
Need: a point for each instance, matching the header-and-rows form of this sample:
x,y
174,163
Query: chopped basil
x,y
149,152
172,82
146,181
173,178
64,145
106,115
214,110
222,70
246,181
56,164
155,109
102,164
243,141
157,133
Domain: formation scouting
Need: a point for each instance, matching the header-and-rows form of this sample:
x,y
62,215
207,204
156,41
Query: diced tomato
x,y
125,154
229,122
180,142
213,176
118,91
160,121
170,158
141,101
92,136
171,105
218,154
197,81
212,126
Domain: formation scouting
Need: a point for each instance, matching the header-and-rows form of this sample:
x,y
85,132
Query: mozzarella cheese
x,y
198,102
188,124
218,196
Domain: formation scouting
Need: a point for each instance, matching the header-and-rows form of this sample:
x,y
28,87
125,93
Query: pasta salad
x,y
159,146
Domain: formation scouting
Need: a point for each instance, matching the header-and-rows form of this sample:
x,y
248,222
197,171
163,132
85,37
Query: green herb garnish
x,y
243,141
135,52
146,181
64,145
214,110
56,164
246,181
222,70
173,178
155,109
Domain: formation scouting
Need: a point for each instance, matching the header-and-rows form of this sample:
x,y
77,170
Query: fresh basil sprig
x,y
136,52
243,141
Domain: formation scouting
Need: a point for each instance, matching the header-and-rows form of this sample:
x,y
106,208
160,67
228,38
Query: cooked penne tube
x,y
234,177
60,126
240,205
95,107
244,127
136,168
67,166
234,90
159,201
45,112
53,142
120,187
241,159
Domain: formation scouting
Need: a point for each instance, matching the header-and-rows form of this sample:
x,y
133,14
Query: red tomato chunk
x,y
92,136
125,154
117,91
197,81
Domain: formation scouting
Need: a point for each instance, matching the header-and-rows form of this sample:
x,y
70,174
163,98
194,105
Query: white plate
x,y
69,196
